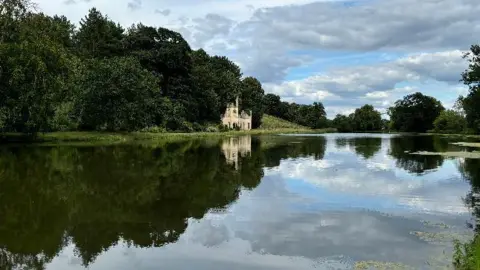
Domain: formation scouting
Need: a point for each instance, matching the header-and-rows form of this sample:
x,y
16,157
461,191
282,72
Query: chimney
x,y
236,103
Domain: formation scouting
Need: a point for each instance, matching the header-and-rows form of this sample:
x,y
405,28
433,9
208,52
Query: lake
x,y
334,201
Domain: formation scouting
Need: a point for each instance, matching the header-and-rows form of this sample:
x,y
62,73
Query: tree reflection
x,y
282,148
401,147
366,147
470,170
98,196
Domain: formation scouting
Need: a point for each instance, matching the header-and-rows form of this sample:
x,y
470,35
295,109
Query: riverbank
x,y
57,137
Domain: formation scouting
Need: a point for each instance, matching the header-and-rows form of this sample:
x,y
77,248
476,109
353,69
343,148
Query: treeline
x,y
100,76
420,113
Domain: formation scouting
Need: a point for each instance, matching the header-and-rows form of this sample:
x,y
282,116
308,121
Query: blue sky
x,y
342,53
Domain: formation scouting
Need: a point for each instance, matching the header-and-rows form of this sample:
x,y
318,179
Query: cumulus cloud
x,y
269,40
397,25
164,12
72,2
135,4
375,84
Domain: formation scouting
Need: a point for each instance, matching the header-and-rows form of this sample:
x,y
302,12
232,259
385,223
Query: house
x,y
234,118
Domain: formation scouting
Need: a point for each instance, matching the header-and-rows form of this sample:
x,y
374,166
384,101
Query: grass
x,y
271,123
472,137
467,255
124,137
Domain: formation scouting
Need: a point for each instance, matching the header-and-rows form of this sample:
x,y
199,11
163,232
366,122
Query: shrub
x,y
450,121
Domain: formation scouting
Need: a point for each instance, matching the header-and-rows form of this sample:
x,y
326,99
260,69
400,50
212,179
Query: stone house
x,y
234,118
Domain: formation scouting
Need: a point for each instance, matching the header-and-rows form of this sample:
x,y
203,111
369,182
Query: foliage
x,y
343,123
98,36
252,99
467,255
471,77
115,102
104,77
415,113
33,77
312,116
367,118
449,121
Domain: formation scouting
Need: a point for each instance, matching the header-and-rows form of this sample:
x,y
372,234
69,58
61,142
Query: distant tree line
x,y
100,76
420,113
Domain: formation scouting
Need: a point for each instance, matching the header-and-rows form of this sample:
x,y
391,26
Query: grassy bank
x,y
138,136
470,137
272,123
467,255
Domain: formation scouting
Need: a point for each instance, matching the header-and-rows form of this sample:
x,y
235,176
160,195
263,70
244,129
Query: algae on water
x,y
467,144
381,265
473,155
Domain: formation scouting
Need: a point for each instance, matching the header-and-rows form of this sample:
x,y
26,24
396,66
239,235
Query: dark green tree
x,y
415,113
343,123
471,77
34,74
252,99
450,121
114,101
99,37
367,118
12,12
272,105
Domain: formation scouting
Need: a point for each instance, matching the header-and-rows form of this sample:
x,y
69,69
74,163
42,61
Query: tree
x,y
34,73
367,118
415,113
12,13
252,99
99,37
272,105
450,121
343,123
115,102
471,77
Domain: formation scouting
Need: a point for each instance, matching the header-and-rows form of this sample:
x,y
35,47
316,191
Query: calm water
x,y
277,202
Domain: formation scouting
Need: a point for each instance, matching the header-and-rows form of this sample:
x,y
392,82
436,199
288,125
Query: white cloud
x,y
375,84
270,38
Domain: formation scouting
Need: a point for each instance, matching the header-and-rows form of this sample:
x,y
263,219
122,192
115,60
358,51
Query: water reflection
x,y
400,147
279,202
236,146
366,147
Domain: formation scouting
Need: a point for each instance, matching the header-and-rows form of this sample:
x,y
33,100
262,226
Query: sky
x,y
342,53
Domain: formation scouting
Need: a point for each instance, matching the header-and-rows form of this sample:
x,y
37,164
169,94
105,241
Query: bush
x,y
63,120
212,129
154,129
450,121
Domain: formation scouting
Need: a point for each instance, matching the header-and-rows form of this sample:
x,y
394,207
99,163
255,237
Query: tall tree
x,y
34,73
11,14
272,105
116,102
471,77
99,37
367,118
343,123
252,99
415,113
